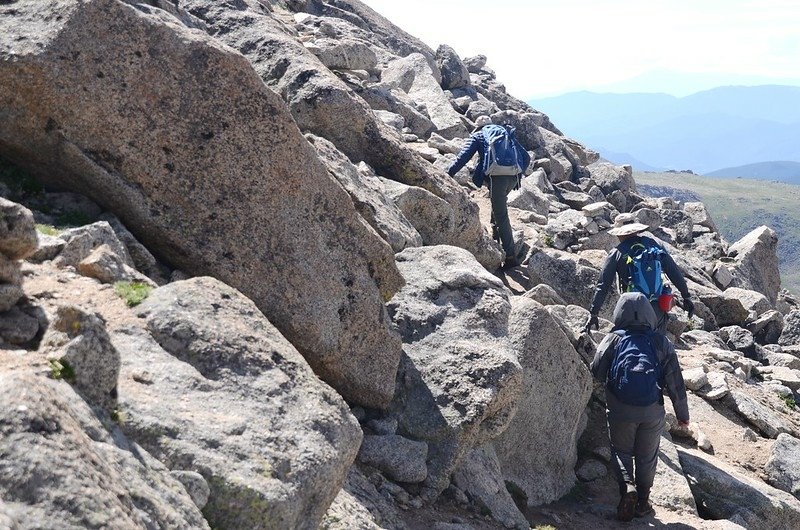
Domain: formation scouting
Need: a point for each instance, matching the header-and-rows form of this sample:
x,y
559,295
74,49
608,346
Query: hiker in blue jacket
x,y
637,364
629,233
499,185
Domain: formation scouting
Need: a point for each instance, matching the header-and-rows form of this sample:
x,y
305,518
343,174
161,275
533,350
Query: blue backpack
x,y
502,155
635,373
644,269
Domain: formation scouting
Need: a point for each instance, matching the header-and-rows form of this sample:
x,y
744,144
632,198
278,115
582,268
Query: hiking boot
x,y
644,508
627,504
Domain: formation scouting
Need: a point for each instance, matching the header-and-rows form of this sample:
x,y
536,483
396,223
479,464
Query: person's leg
x,y
648,439
623,437
500,187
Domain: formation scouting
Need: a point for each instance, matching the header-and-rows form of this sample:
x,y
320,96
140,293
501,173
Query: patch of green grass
x,y
132,292
48,230
790,402
548,241
61,369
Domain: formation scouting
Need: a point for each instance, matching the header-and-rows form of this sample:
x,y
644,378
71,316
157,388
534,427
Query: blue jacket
x,y
477,144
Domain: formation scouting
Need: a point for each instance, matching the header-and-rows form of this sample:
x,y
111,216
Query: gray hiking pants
x,y
499,188
634,452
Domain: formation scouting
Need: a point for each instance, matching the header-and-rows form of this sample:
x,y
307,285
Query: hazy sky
x,y
548,47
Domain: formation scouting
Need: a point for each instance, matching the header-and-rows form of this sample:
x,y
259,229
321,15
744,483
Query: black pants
x,y
499,188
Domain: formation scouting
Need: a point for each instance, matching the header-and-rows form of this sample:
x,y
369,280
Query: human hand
x,y
592,321
688,306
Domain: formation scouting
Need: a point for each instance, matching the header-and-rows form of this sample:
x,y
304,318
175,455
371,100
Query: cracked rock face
x,y
203,163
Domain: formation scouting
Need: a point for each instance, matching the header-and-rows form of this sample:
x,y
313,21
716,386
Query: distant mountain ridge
x,y
718,128
783,171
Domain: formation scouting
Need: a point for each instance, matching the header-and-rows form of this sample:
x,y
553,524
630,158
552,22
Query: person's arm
x,y
604,282
603,357
675,275
673,382
464,156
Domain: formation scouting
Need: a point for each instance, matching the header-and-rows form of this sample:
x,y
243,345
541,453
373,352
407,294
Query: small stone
x,y
695,378
591,470
749,435
17,327
196,486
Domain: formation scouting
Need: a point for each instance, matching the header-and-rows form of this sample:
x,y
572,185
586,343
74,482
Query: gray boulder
x,y
611,178
368,197
529,197
10,283
480,477
756,262
78,343
106,266
344,54
401,459
728,309
454,72
726,493
62,469
699,215
755,303
573,278
275,250
790,336
142,259
81,241
360,506
783,465
18,327
413,75
17,230
396,101
537,451
767,328
459,379
670,487
758,415
221,392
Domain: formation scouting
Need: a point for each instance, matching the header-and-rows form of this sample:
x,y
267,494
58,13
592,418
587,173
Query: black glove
x,y
518,185
591,322
688,306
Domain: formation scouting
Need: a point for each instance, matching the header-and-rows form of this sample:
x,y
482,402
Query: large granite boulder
x,y
572,277
726,493
538,450
218,390
17,230
325,106
192,167
61,467
783,465
369,198
454,72
459,379
755,262
414,76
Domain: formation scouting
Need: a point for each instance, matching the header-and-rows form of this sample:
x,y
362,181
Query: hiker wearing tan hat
x,y
638,262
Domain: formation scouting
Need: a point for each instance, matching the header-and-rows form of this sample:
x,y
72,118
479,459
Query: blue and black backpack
x,y
643,261
634,376
504,155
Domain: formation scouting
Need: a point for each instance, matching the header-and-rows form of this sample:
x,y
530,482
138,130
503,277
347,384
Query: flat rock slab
x,y
220,391
725,493
783,465
756,414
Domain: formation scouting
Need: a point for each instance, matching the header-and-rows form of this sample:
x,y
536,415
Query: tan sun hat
x,y
625,224
481,121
